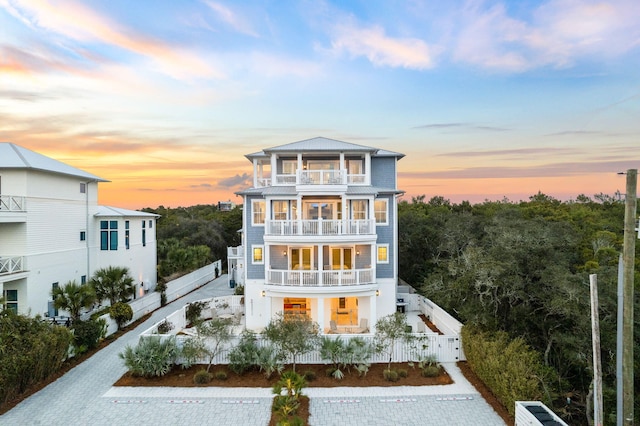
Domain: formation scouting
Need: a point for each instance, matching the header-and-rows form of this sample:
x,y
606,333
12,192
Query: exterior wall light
x,y
377,292
263,293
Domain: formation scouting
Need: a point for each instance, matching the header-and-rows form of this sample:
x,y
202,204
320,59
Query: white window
x,y
383,253
381,211
257,255
280,210
258,209
83,188
289,167
358,209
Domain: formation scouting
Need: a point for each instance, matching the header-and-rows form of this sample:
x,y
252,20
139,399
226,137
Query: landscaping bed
x,y
178,377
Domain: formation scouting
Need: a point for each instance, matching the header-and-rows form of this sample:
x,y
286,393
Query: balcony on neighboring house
x,y
11,265
235,252
325,278
13,208
320,227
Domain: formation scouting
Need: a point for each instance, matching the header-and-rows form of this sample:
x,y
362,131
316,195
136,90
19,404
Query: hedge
x,y
31,350
509,367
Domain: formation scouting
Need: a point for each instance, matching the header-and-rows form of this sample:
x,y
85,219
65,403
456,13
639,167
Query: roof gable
x,y
321,144
13,156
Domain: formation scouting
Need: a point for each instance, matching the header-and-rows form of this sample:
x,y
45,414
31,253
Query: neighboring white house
x,y
53,231
320,234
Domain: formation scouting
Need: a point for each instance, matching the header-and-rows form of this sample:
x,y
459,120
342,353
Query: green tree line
x,y
191,237
523,268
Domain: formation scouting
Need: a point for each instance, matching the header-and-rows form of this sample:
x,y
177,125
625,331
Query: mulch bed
x,y
486,393
184,378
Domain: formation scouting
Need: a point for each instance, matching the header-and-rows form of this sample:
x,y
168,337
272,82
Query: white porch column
x,y
321,314
255,172
320,264
373,312
367,168
274,169
299,170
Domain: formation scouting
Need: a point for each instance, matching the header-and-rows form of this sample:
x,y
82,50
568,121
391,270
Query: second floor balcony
x,y
326,278
319,227
11,265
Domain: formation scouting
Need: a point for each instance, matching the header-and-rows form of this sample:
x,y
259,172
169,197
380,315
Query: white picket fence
x,y
445,348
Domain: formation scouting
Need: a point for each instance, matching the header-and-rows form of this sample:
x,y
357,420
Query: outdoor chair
x,y
364,326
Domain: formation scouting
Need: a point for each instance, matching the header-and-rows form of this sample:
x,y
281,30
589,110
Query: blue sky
x,y
487,99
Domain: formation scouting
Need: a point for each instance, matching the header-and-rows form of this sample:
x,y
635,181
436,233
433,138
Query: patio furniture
x,y
364,326
333,327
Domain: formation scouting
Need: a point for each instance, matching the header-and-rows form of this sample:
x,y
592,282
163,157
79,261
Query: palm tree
x,y
72,298
112,283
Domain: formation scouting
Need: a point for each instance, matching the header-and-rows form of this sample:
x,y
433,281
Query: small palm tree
x,y
72,298
112,283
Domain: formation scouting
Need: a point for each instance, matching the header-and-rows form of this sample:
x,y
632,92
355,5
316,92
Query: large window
x,y
108,235
257,255
381,211
383,253
126,235
258,210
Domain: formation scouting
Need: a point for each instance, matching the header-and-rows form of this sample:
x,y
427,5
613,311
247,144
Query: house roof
x,y
13,156
321,144
107,211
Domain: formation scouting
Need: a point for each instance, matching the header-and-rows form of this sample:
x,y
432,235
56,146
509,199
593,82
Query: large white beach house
x,y
320,234
53,231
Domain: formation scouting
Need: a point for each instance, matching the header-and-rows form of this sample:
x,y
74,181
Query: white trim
x,y
253,212
386,221
378,247
253,254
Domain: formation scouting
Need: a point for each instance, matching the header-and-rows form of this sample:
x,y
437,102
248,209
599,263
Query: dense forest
x,y
191,237
523,268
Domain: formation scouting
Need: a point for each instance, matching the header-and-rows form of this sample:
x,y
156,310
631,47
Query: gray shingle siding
x,y
383,172
385,236
254,236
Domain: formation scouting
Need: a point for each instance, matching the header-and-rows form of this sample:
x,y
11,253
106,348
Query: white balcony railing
x,y
320,227
12,203
322,177
235,251
11,265
304,278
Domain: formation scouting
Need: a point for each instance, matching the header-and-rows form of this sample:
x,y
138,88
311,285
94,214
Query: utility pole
x,y
597,364
628,257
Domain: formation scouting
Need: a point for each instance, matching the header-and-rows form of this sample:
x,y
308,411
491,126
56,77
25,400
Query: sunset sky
x,y
487,99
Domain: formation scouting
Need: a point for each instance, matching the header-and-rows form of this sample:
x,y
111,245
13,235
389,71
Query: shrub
x,y
194,310
239,291
390,375
220,375
269,361
429,367
165,327
31,350
121,312
87,334
202,377
245,354
309,375
152,356
509,367
402,373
